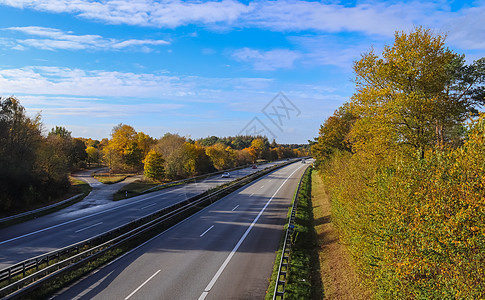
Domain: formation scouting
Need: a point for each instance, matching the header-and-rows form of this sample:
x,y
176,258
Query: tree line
x,y
404,164
35,167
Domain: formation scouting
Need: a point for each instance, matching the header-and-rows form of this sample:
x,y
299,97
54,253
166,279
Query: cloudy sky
x,y
202,68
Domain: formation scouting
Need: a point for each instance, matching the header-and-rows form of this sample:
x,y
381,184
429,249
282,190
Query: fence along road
x,y
225,250
74,224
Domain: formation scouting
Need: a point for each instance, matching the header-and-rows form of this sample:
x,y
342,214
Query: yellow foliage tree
x,y
400,96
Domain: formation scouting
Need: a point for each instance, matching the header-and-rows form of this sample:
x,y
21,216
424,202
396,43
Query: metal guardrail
x,y
76,255
35,211
169,184
279,289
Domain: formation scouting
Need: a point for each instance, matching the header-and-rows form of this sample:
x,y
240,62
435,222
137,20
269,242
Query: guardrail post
x,y
23,268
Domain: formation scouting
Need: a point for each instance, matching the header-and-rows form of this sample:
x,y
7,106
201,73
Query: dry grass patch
x,y
339,277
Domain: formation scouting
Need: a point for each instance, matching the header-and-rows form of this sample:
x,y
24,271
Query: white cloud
x,y
330,50
467,31
37,80
371,17
65,81
53,39
281,15
267,60
142,12
375,18
69,106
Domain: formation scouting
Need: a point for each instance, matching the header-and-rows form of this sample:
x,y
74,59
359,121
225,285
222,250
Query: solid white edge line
x,y
206,231
88,227
138,288
204,294
234,250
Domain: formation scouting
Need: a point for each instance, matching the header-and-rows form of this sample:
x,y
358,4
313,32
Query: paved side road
x,y
101,193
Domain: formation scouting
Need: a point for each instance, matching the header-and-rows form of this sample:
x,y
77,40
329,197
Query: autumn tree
x,y
259,146
222,157
93,155
55,154
401,96
169,144
123,149
332,135
145,143
33,168
154,165
196,161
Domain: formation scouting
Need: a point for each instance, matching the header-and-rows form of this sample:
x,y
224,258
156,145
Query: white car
x,y
226,175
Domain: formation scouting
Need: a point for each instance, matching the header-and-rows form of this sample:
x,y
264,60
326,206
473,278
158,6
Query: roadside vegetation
x,y
303,280
404,163
338,272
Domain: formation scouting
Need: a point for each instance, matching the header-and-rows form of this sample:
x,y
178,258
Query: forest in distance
x,y
403,163
35,167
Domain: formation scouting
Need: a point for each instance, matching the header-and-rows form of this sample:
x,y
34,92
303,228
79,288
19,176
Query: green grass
x,y
79,186
133,189
303,279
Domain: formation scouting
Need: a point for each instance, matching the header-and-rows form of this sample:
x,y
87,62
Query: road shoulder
x,y
339,276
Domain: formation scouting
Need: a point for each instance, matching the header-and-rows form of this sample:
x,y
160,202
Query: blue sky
x,y
202,68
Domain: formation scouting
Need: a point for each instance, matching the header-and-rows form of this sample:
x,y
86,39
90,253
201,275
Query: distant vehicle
x,y
303,161
255,167
226,175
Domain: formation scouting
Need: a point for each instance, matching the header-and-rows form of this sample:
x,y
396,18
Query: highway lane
x,y
226,251
79,222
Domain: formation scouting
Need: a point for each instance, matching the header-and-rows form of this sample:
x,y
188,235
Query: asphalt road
x,y
225,251
88,218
